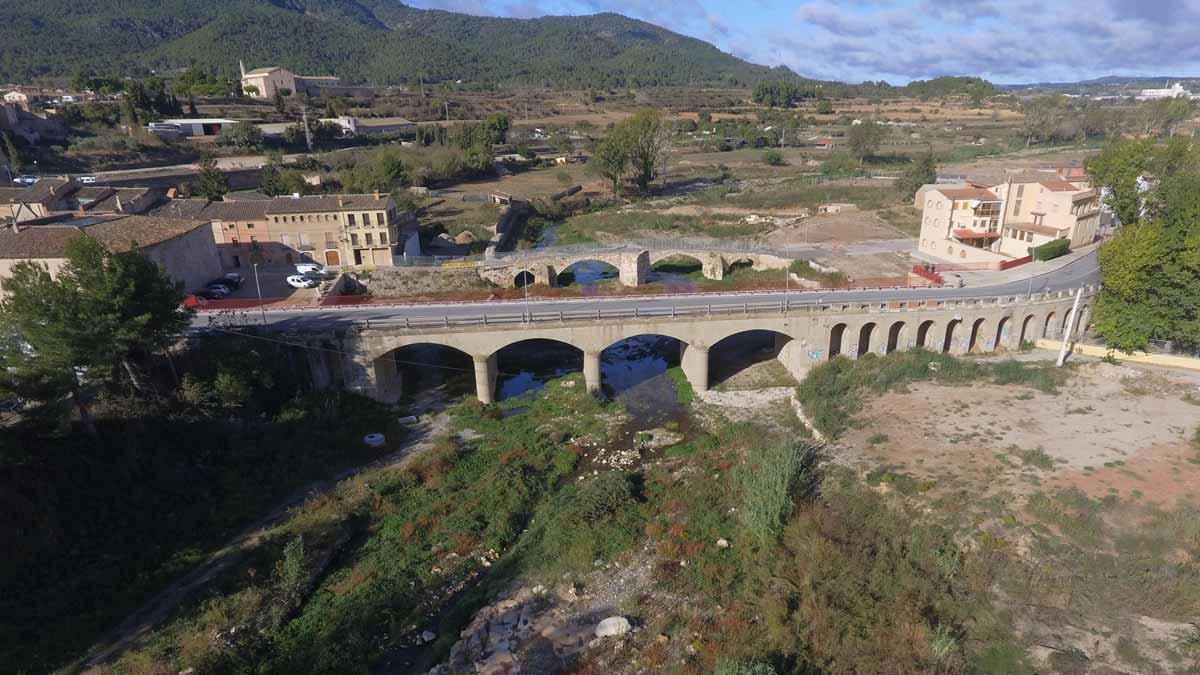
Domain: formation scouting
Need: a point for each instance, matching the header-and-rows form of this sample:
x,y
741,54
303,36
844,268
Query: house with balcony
x,y
1003,222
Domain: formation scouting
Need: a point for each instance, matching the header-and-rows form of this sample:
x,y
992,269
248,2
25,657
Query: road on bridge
x,y
1081,272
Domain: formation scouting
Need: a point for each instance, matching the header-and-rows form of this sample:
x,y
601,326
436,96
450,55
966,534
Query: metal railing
x,y
598,314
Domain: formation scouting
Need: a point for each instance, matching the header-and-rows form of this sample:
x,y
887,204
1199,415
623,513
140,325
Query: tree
x,y
498,123
824,107
9,151
773,157
864,138
250,90
1042,114
920,172
610,159
281,99
647,141
63,336
211,183
242,135
1125,170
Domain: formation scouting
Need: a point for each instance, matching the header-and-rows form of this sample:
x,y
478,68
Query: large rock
x,y
613,625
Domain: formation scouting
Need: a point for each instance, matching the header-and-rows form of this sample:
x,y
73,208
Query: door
x,y
357,256
237,261
332,258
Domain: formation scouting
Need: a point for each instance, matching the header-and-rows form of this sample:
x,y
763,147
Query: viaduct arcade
x,y
804,336
632,264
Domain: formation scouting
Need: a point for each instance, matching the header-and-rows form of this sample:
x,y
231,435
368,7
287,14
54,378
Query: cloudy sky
x,y
1006,41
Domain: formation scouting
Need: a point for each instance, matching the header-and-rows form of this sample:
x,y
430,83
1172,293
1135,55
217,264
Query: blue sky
x,y
900,40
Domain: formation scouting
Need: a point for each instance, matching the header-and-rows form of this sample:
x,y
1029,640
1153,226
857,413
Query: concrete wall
x,y
803,339
190,258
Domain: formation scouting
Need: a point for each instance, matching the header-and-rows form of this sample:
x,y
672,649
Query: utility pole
x,y
1069,329
307,131
447,104
258,286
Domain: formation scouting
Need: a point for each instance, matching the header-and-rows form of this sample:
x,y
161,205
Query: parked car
x,y
305,268
86,180
301,281
211,295
321,276
219,290
26,180
231,281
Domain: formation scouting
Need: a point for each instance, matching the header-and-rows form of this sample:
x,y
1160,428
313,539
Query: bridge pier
x,y
591,370
694,362
634,267
485,378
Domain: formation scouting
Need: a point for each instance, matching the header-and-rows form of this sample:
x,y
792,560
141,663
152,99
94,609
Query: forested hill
x,y
371,41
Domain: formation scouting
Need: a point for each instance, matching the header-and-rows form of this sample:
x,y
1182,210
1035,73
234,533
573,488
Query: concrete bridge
x,y
633,262
806,334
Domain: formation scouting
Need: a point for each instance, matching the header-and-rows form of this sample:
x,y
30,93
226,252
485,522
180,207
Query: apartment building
x,y
1004,221
347,229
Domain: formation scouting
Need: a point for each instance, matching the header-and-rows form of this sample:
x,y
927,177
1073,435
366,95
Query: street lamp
x,y
526,287
258,286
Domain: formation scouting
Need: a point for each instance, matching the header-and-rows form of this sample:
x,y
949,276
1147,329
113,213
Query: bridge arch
x,y
951,334
1085,316
865,332
925,334
1027,324
590,269
636,358
421,365
1048,326
1003,328
837,335
979,335
742,349
896,337
740,263
518,373
1062,330
523,278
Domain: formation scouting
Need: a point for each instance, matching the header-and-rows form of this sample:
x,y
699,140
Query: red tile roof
x,y
972,234
971,193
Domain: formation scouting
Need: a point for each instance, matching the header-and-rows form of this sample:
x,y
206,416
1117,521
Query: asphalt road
x,y
1081,272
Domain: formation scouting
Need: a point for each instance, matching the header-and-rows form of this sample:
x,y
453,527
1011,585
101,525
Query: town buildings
x,y
183,248
347,229
57,195
1173,91
974,223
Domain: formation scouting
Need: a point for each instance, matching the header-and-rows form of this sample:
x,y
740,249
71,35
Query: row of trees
x,y
634,147
1151,268
1054,119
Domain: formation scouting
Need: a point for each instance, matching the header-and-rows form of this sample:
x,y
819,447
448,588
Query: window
x,y
304,238
233,240
350,219
249,226
231,225
1020,190
369,238
1037,219
354,239
366,219
253,239
383,238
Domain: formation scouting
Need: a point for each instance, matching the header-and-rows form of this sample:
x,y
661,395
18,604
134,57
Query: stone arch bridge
x,y
633,263
363,356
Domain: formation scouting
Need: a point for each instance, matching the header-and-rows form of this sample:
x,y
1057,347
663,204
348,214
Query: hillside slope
x,y
376,41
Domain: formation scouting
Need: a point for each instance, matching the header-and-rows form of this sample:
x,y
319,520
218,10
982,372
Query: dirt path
x,y
162,605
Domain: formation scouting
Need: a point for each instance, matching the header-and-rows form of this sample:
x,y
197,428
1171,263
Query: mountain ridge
x,y
368,41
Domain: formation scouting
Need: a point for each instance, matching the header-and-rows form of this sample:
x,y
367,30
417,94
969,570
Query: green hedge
x,y
1051,249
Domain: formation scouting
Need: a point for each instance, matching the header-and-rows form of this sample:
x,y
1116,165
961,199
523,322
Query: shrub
x,y
1051,249
771,479
595,520
773,157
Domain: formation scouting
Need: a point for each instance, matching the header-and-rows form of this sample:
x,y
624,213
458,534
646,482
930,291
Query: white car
x,y
301,281
308,268
86,180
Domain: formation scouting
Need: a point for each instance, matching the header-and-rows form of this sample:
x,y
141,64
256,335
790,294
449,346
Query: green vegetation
x,y
1051,249
805,270
634,147
834,392
864,138
922,171
1151,284
773,158
384,43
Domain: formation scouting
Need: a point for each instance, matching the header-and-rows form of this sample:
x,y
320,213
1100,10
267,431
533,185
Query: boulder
x,y
613,625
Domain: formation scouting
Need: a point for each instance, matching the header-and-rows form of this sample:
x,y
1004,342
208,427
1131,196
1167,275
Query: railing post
x,y
406,324
447,320
635,311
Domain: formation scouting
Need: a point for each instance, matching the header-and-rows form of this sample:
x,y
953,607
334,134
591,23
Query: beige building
x,y
334,230
265,82
183,248
1001,223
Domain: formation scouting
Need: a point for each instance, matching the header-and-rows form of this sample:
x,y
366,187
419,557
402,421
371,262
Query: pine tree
x,y
211,183
9,151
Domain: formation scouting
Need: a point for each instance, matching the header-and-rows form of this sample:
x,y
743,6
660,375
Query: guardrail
x,y
887,306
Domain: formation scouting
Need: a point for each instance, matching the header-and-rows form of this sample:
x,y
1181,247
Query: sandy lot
x,y
1110,430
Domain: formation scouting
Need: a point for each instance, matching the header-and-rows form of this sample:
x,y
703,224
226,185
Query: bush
x,y
1051,249
805,270
595,520
773,157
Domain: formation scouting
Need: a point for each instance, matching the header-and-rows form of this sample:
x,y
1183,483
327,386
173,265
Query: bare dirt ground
x,y
847,227
1110,430
996,168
